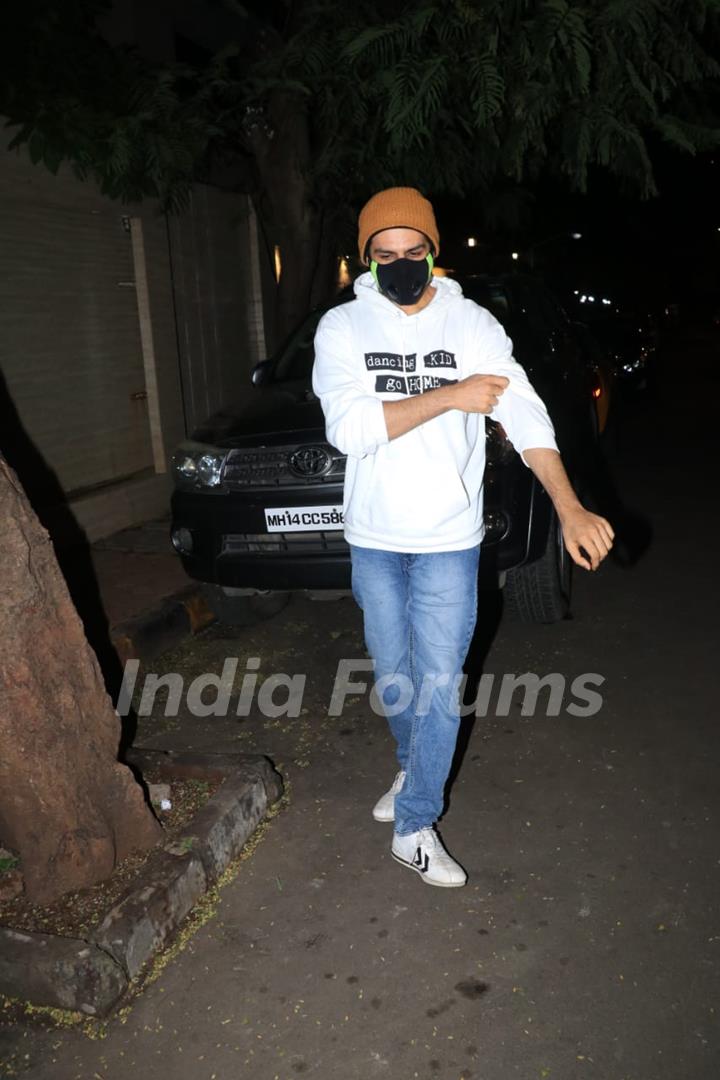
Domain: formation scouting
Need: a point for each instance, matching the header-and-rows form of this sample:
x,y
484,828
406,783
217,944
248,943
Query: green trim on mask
x,y
373,271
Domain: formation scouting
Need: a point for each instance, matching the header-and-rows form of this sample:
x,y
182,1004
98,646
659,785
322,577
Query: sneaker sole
x,y
426,879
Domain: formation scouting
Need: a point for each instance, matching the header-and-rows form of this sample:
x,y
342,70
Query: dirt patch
x,y
77,913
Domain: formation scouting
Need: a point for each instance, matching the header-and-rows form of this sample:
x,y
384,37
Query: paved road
x,y
587,941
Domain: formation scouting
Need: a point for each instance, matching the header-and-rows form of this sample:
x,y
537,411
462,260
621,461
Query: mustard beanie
x,y
397,208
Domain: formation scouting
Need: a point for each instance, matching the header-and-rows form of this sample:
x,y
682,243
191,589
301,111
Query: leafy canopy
x,y
449,95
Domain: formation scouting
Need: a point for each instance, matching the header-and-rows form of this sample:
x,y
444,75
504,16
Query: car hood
x,y
277,413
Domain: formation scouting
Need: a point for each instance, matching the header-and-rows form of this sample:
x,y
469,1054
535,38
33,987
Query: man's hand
x,y
580,527
589,532
479,393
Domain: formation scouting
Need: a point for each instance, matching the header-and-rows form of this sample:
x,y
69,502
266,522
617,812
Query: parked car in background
x,y
630,342
257,504
626,344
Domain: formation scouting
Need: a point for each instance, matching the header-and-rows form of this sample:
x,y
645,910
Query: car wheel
x,y
540,591
240,607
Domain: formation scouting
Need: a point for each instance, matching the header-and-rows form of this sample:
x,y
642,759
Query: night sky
x,y
640,252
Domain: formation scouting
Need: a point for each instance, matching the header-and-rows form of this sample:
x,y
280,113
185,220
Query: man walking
x,y
406,374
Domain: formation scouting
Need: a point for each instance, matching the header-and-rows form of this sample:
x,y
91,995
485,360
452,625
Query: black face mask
x,y
403,280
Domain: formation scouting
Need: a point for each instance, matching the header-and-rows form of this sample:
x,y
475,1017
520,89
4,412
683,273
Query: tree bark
x,y
283,157
67,806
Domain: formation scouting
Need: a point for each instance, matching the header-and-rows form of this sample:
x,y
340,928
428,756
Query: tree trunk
x,y
286,209
324,285
68,808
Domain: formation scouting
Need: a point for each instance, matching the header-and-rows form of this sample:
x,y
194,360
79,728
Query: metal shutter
x,y
70,347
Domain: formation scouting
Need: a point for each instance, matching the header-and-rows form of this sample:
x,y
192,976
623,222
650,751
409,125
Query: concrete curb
x,y
92,976
164,627
66,973
146,918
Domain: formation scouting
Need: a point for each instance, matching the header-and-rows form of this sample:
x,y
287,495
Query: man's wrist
x,y
408,413
445,396
566,506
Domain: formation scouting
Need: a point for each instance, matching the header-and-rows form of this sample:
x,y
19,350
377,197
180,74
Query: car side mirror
x,y
260,373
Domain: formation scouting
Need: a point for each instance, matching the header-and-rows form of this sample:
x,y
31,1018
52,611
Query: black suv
x,y
258,490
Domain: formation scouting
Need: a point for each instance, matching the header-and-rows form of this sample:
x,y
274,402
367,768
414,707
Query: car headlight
x,y
197,465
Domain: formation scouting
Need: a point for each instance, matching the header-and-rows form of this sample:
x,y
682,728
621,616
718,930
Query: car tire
x,y
540,592
239,607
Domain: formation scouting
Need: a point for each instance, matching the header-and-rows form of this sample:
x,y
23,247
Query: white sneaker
x,y
423,851
384,808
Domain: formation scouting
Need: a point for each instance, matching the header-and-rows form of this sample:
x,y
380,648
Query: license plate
x,y
303,518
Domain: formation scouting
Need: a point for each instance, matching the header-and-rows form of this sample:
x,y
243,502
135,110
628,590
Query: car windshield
x,y
295,359
510,313
490,295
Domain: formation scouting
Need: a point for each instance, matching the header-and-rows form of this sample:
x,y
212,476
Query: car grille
x,y
311,543
276,466
279,466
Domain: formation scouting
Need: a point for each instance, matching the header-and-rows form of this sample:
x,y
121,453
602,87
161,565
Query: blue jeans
x,y
419,612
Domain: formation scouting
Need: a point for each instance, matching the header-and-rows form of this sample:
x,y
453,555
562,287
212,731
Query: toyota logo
x,y
310,461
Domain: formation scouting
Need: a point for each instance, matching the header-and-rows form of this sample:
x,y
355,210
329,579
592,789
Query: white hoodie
x,y
423,491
